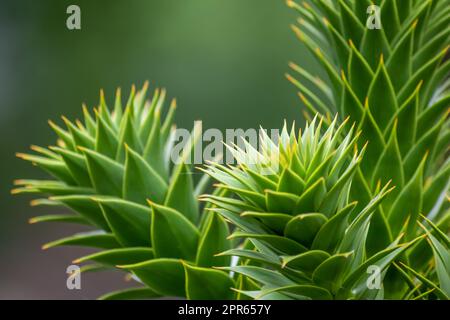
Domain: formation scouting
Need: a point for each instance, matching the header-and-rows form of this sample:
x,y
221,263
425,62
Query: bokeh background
x,y
224,60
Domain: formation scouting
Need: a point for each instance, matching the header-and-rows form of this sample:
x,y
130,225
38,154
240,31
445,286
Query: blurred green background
x,y
224,60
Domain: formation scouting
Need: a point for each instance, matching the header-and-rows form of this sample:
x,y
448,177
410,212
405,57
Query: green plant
x,y
300,217
309,227
393,82
113,170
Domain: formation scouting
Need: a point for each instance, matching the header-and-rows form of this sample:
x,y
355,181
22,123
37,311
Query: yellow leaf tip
x,y
32,220
21,155
34,203
150,202
290,3
64,118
